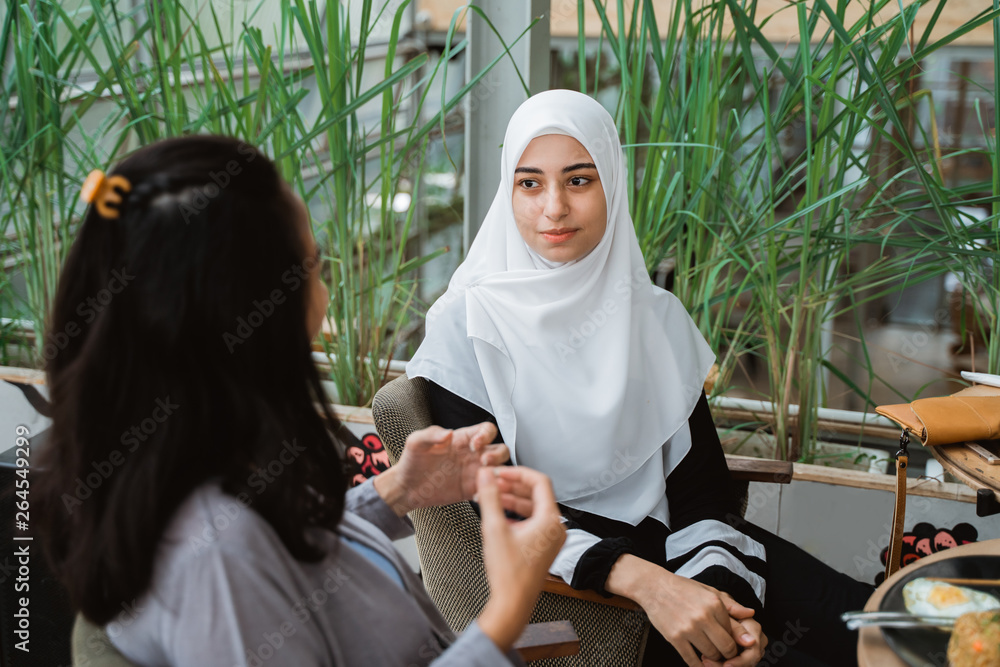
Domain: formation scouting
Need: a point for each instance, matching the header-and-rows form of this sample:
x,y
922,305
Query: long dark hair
x,y
177,353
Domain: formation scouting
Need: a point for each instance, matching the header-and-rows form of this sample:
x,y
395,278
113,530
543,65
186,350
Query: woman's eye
x,y
579,180
528,183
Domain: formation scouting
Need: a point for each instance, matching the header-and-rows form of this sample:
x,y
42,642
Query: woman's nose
x,y
556,204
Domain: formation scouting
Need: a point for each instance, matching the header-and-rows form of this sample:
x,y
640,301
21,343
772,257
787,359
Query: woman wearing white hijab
x,y
551,328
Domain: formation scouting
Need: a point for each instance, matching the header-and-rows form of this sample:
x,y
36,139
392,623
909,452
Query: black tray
x,y
928,647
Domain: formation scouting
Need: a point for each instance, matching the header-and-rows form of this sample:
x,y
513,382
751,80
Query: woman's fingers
x,y
477,437
734,608
521,506
537,538
753,648
518,488
687,654
490,507
494,455
710,641
743,638
487,432
707,625
720,639
691,614
527,482
752,644
515,474
428,437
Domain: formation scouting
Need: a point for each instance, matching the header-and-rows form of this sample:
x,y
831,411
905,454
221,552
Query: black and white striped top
x,y
704,540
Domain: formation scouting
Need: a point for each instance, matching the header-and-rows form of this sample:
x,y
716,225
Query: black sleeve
x,y
700,486
703,513
451,411
708,542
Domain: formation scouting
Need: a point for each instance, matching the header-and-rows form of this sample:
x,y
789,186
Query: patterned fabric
x,y
925,539
363,458
449,544
709,542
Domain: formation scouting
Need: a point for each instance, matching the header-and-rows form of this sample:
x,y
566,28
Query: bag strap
x,y
899,511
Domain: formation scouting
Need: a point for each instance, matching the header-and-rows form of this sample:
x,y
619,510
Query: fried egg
x,y
924,597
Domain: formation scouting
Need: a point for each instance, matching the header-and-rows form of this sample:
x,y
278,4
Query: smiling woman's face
x,y
558,200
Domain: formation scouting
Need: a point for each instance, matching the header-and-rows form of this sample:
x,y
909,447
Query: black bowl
x,y
928,647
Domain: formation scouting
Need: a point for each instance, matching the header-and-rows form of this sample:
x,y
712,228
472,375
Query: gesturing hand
x,y
517,554
438,466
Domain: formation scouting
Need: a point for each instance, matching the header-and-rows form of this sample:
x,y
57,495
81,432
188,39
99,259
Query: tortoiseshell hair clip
x,y
103,192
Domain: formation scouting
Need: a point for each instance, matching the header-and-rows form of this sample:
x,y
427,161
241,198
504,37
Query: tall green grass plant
x,y
336,99
766,243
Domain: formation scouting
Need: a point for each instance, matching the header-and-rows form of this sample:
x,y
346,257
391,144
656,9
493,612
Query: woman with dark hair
x,y
218,528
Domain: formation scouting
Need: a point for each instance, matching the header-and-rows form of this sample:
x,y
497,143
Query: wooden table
x,y
872,649
971,469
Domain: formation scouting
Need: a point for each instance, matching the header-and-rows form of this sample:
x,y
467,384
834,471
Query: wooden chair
x,y
612,630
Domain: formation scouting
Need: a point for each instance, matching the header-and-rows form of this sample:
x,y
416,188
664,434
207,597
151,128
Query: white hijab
x,y
588,368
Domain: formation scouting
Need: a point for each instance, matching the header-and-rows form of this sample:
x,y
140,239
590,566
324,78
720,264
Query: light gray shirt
x,y
227,593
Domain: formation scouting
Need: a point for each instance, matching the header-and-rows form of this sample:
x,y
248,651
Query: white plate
x,y
982,378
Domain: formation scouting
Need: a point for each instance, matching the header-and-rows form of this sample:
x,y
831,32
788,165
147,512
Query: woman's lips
x,y
558,235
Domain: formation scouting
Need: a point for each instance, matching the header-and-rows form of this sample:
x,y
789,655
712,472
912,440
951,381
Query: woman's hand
x,y
752,641
438,467
690,615
517,554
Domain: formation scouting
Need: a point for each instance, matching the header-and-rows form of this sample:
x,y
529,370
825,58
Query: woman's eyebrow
x,y
565,170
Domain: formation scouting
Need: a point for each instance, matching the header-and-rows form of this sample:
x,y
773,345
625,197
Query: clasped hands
x,y
693,617
441,466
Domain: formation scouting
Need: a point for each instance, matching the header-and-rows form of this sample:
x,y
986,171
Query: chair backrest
x,y
449,544
93,648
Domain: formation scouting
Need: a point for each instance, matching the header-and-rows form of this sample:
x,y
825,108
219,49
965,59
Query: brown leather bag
x,y
971,414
